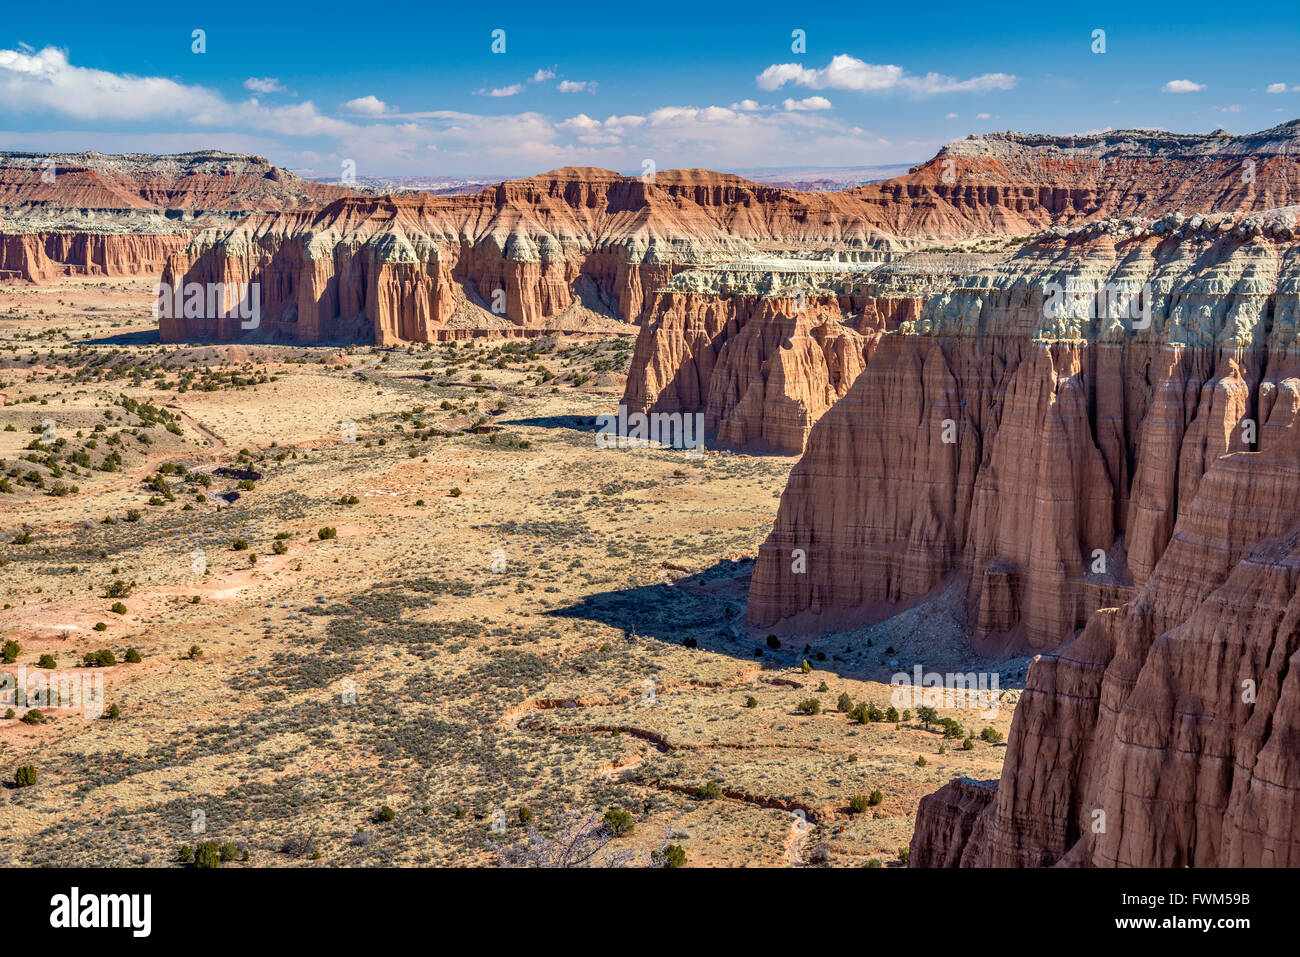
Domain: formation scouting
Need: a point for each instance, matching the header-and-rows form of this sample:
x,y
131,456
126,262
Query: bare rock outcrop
x,y
1166,734
574,248
1042,443
92,214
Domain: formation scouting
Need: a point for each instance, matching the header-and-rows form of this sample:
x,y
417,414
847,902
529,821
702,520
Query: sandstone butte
x,y
694,258
90,214
1120,499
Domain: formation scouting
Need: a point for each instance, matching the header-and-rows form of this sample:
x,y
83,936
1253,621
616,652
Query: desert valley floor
x,y
508,619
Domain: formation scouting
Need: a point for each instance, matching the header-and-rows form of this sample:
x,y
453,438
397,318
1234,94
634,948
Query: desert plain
x,y
392,606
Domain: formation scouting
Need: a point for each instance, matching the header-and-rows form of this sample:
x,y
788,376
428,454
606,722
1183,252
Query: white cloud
x,y
950,116
981,116
367,106
1234,108
1281,88
541,76
846,72
576,86
263,85
806,104
511,90
748,106
1182,86
45,80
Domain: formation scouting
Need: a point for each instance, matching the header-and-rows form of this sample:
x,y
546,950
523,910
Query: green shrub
x,y
194,652
845,703
101,626
279,548
711,789
809,706
991,734
47,661
118,608
968,745
113,712
327,533
805,667
670,855
133,656
903,855
751,702
876,798
207,854
386,813
185,855
119,589
858,803
25,776
921,761
618,821
10,651
33,717
239,545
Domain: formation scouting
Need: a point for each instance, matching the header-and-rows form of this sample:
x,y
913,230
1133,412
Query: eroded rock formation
x,y
91,214
1048,456
572,248
1166,734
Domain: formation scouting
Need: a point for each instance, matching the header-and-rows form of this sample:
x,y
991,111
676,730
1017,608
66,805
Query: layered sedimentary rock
x,y
569,247
764,349
1017,183
1040,440
997,185
41,256
91,214
1166,734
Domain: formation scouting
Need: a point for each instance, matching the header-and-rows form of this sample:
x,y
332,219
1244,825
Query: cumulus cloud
x,y
846,72
748,106
950,116
263,85
1234,108
511,90
576,86
1182,86
1281,88
45,81
807,103
541,76
367,106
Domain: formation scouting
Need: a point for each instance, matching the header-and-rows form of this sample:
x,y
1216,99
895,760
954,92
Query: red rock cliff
x,y
1047,458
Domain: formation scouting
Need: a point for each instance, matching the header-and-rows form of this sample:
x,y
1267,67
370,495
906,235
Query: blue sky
x,y
415,89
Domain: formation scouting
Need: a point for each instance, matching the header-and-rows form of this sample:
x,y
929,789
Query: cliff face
x,y
765,352
89,214
1016,183
1048,456
41,256
572,248
1166,734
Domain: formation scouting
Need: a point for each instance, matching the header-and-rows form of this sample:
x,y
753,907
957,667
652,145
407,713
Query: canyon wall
x,y
1045,454
1018,183
575,248
91,214
1166,734
42,256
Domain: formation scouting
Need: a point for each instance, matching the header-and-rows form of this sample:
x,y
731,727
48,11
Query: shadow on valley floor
x,y
705,609
148,337
579,423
